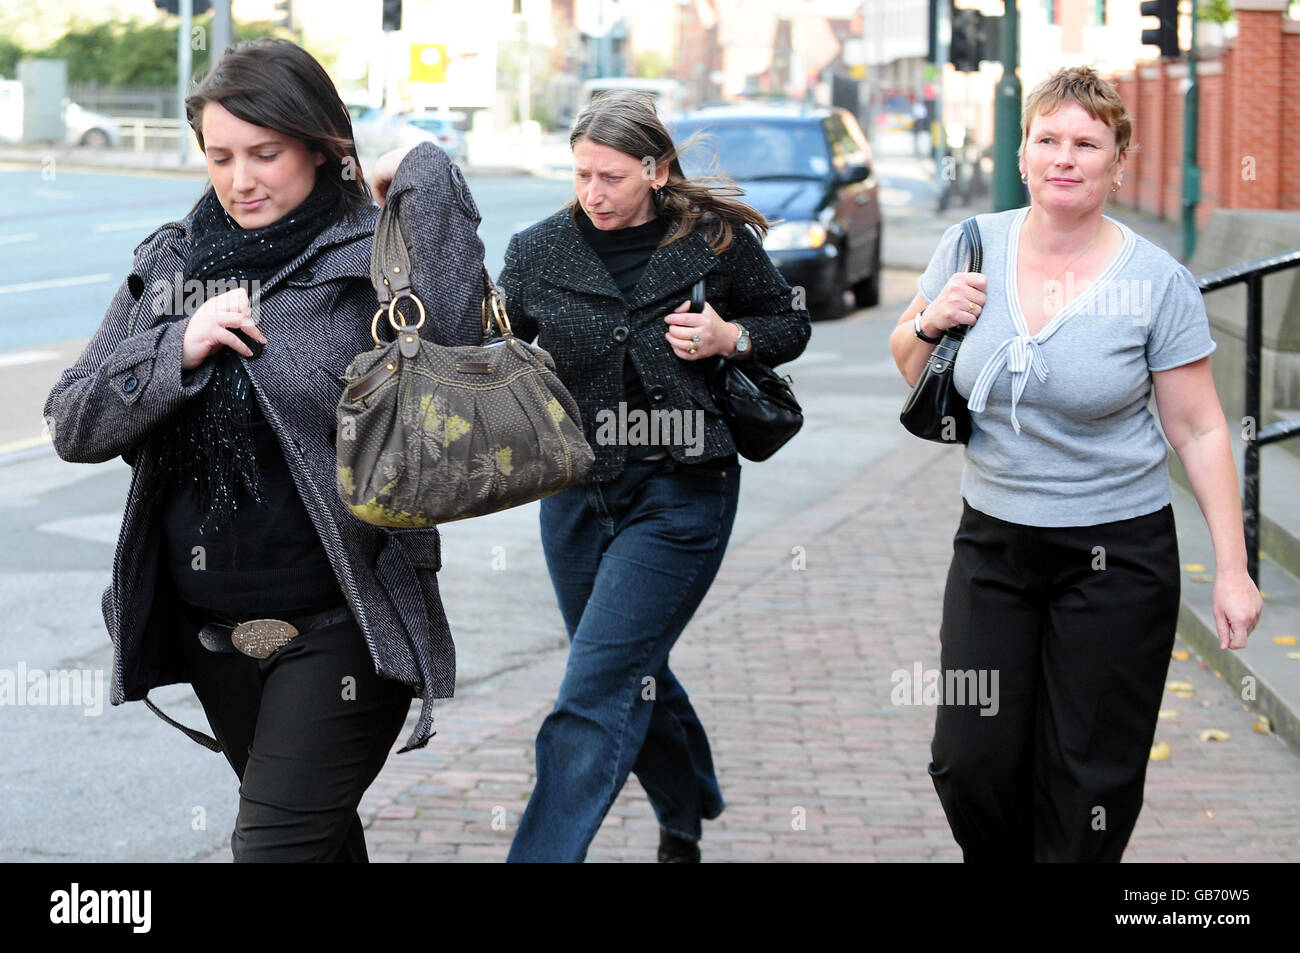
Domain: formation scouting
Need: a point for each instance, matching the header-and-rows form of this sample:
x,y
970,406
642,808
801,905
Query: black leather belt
x,y
259,637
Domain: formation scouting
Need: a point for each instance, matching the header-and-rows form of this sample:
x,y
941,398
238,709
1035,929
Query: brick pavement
x,y
790,672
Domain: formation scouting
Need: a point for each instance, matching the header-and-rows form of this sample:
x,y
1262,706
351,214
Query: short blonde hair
x,y
1081,85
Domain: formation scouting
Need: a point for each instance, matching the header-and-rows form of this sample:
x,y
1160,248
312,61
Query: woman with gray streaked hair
x,y
603,285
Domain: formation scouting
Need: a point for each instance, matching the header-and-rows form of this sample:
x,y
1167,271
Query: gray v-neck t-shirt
x,y
1062,434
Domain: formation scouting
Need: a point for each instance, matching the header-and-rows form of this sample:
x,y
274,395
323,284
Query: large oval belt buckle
x,y
258,638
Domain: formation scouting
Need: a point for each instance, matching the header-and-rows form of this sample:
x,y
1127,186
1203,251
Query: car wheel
x,y
95,138
831,307
866,293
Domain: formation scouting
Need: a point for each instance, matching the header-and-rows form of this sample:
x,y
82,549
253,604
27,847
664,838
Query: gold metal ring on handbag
x,y
374,328
393,312
499,314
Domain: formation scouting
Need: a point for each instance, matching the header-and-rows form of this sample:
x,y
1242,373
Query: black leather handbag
x,y
757,403
935,410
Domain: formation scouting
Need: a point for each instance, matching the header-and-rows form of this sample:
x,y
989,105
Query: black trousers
x,y
306,730
1077,623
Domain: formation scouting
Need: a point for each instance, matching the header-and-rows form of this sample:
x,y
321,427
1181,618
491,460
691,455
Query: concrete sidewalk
x,y
790,670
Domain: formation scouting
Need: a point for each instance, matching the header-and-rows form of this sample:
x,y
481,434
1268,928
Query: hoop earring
x,y
1024,177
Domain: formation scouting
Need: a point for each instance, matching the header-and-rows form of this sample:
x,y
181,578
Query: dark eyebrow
x,y
256,145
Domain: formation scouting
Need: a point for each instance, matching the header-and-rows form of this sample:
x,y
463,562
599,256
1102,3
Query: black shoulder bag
x,y
757,403
935,410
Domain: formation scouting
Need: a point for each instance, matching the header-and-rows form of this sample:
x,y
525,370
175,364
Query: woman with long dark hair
x,y
215,374
604,285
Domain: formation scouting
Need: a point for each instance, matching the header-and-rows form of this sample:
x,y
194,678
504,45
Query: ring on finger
x,y
696,339
692,349
970,306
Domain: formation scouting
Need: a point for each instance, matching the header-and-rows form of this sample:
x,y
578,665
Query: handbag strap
x,y
955,334
972,232
390,273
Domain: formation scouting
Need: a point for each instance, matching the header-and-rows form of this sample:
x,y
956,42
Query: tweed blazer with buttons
x,y
315,314
558,291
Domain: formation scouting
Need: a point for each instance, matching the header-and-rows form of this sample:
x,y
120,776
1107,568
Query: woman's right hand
x,y
960,302
213,325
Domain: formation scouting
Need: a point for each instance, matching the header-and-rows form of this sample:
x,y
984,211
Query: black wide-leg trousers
x,y
1077,623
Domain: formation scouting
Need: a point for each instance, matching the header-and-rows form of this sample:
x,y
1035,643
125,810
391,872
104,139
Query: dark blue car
x,y
809,169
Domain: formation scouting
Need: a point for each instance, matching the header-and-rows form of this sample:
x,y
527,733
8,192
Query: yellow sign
x,y
428,63
858,72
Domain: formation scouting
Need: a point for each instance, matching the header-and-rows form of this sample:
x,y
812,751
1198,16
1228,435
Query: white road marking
x,y
99,528
15,239
14,358
52,193
55,283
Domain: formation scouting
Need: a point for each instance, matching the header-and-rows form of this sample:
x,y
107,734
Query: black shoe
x,y
674,850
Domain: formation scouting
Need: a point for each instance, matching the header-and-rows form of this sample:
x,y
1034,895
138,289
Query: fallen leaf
x,y
1284,640
1185,694
1181,655
1168,713
1293,655
1263,725
1202,577
1210,814
1179,686
1264,596
1193,567
1214,734
1159,751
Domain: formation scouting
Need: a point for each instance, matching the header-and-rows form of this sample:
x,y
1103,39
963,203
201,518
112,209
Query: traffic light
x,y
392,15
974,38
174,7
1164,36
284,14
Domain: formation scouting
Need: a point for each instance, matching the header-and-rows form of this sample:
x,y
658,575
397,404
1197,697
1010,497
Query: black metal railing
x,y
1252,273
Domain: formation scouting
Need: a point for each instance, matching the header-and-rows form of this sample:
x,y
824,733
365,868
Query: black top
x,y
270,560
626,252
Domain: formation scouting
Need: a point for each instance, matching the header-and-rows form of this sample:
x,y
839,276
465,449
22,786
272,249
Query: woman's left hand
x,y
1237,605
695,335
381,176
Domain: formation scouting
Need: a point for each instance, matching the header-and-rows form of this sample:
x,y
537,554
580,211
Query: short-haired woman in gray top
x,y
1065,577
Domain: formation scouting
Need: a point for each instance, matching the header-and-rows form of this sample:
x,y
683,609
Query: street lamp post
x,y
1008,190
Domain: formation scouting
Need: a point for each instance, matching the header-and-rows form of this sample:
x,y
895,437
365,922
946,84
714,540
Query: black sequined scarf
x,y
208,444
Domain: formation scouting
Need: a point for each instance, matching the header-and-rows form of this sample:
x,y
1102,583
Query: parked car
x,y
808,169
87,128
441,130
377,131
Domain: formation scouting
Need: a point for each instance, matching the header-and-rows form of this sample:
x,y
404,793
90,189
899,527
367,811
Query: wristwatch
x,y
916,326
742,341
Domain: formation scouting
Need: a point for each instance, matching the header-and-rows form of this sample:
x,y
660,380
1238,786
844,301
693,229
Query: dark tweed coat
x,y
558,291
315,315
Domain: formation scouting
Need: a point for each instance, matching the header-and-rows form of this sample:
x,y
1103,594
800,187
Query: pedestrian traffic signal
x,y
1165,35
392,15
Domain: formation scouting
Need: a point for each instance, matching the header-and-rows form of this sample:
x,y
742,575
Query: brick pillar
x,y
1256,103
1290,118
1150,132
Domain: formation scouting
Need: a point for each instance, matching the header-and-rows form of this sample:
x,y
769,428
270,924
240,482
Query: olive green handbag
x,y
429,434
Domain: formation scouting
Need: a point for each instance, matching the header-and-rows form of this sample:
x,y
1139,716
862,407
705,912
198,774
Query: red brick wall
x,y
1290,138
1245,113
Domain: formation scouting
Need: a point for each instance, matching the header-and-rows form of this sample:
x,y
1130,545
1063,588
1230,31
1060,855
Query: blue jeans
x,y
631,561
